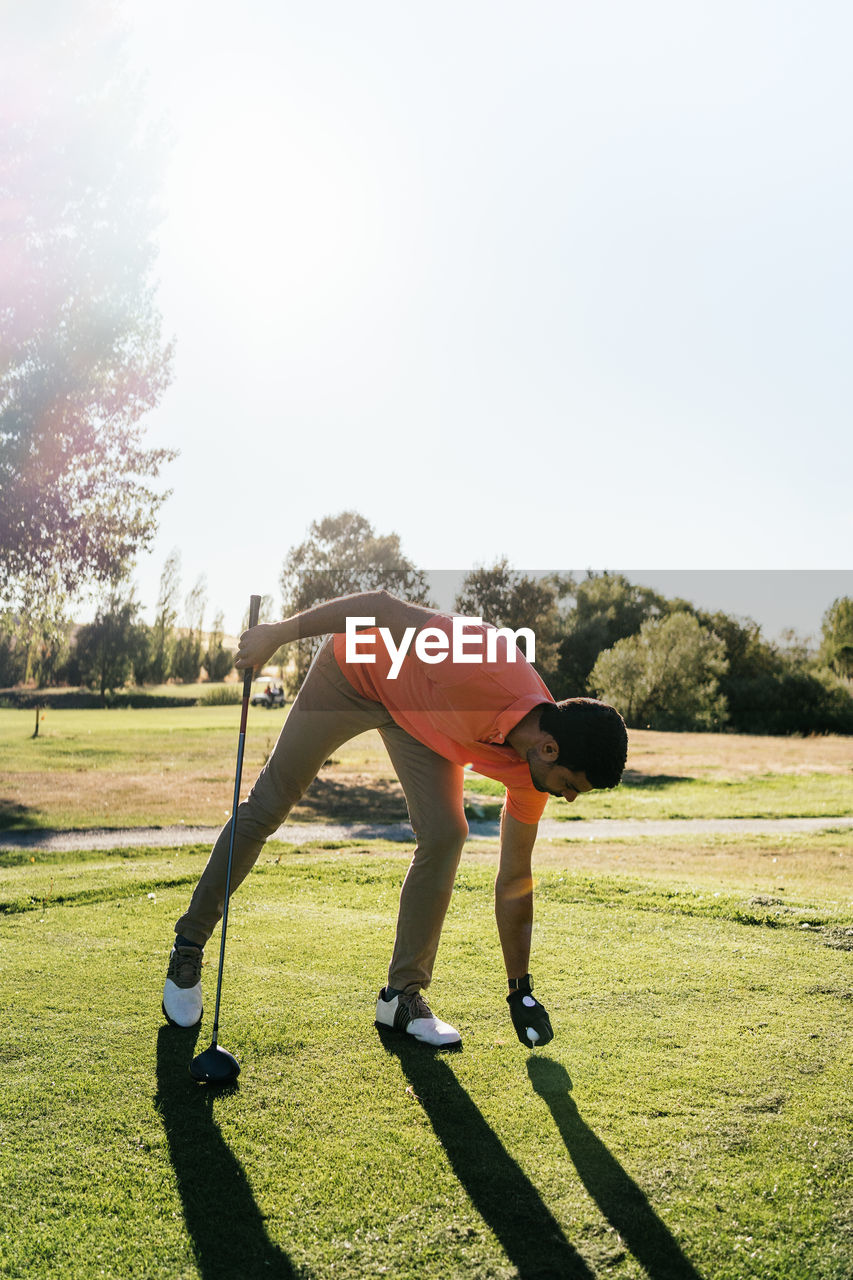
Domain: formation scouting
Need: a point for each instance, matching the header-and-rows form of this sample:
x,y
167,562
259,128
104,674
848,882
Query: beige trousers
x,y
326,713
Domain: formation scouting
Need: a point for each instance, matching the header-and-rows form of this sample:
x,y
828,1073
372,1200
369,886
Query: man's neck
x,y
525,734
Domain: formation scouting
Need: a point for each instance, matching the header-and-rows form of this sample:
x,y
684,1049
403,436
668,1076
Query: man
x,y
395,667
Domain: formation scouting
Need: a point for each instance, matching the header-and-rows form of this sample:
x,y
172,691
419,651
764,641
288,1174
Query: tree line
x,y
665,663
117,648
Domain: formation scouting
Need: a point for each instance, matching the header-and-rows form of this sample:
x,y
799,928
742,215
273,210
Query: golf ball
x,y
532,1035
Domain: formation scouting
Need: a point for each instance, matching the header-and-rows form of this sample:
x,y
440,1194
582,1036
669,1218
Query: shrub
x,y
793,701
222,696
665,677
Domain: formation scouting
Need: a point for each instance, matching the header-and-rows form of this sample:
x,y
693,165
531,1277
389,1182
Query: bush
x,y
222,696
665,677
794,701
84,699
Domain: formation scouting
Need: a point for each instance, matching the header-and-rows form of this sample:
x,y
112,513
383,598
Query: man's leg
x,y
433,789
327,712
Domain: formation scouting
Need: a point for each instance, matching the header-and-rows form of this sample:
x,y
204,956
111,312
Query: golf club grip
x,y
254,612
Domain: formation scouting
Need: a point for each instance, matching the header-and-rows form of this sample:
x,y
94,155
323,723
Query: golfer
x,y
442,696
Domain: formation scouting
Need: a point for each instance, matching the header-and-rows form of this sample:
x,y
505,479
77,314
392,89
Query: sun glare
x,y
279,205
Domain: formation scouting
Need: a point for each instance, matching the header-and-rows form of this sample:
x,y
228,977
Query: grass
x,y
764,796
162,767
125,767
690,1119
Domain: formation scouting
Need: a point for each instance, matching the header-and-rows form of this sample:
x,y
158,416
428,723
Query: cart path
x,y
54,841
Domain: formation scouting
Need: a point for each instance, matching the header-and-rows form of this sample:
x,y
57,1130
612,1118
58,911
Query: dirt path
x,y
312,833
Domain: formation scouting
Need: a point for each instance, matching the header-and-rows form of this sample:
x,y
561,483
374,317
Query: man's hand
x,y
257,646
529,1017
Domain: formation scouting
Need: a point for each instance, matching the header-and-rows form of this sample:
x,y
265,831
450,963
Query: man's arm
x,y
514,912
258,644
514,893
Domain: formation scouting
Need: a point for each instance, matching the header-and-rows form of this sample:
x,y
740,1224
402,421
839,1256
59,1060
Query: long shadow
x,y
500,1191
618,1197
224,1222
13,814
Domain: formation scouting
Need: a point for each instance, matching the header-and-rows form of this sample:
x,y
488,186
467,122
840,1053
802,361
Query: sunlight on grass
x,y
690,1118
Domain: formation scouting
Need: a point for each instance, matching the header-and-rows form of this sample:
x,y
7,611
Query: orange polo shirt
x,y
461,710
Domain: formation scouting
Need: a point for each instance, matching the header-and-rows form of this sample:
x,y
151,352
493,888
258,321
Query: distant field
x,y
145,767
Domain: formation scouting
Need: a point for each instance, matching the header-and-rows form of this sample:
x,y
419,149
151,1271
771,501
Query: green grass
x,y
125,767
769,795
103,739
691,1118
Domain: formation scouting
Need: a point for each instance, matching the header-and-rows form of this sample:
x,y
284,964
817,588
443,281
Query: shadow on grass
x,y
13,814
618,1197
651,781
352,798
224,1222
500,1191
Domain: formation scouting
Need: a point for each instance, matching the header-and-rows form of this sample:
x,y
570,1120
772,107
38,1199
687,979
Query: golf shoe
x,y
412,1014
182,1003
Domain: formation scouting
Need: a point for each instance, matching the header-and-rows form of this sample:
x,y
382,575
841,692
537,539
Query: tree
x,y
13,659
44,629
41,631
186,661
344,554
665,677
753,664
163,631
107,648
837,632
607,608
217,661
506,598
341,555
82,359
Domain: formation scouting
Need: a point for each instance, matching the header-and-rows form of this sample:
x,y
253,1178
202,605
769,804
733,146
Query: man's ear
x,y
549,748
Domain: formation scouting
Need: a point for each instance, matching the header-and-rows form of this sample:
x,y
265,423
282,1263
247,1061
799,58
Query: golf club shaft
x,y
254,611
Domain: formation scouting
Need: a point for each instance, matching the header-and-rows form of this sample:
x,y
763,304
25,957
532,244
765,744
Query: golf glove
x,y
529,1017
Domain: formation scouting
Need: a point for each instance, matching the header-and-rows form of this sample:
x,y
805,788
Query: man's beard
x,y
536,771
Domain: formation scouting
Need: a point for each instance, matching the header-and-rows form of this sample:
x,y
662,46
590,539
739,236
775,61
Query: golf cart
x,y
271,695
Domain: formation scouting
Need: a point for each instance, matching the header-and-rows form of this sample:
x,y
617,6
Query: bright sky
x,y
565,282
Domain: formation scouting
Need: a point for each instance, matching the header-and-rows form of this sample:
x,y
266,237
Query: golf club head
x,y
215,1066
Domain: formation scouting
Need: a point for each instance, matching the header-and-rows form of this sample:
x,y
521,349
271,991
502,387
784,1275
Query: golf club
x,y
216,1065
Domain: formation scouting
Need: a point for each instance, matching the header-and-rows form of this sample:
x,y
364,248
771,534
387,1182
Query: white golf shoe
x,y
412,1014
182,1003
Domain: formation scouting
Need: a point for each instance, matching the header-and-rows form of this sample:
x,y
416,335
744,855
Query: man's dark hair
x,y
591,736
